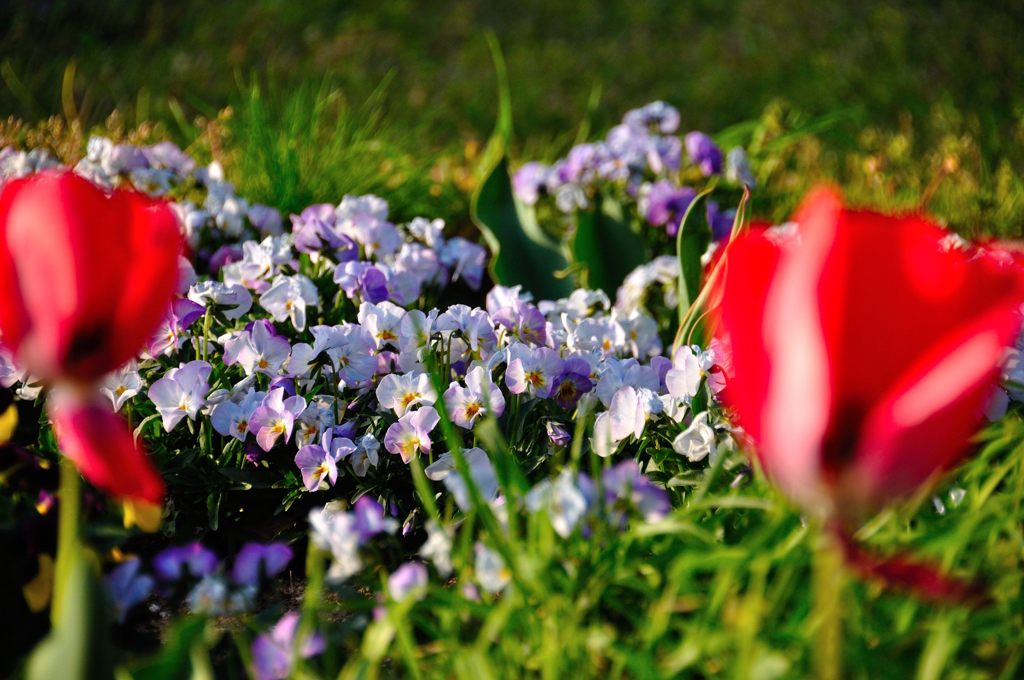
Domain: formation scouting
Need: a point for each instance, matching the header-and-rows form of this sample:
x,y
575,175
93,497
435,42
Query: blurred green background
x,y
888,89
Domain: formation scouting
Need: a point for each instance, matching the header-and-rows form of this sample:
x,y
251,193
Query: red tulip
x,y
864,351
86,276
100,444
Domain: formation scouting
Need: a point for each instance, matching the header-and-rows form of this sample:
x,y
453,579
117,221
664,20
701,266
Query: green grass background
x,y
396,96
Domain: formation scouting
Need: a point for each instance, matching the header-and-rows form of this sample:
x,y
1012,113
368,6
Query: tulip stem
x,y
827,616
67,532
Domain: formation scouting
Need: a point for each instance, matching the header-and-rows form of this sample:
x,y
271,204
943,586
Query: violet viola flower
x,y
629,492
466,260
530,181
122,385
273,653
193,559
409,580
383,321
184,313
524,321
664,204
532,371
311,235
704,153
656,116
572,382
256,561
285,382
363,280
557,434
265,219
234,300
181,392
369,520
474,325
169,155
411,434
480,469
288,297
479,396
365,455
720,221
325,212
402,392
223,256
126,587
275,417
260,350
231,419
318,462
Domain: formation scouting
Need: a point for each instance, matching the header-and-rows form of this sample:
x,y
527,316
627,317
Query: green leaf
x,y
691,241
78,647
521,252
606,246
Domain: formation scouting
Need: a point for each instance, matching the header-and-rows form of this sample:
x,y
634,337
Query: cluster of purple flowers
x,y
195,567
641,160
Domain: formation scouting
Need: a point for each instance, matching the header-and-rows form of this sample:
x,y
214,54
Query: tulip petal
x,y
99,443
86,276
906,573
150,283
14,321
923,424
890,294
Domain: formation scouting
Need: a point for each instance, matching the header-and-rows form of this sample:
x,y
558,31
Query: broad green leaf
x,y
605,246
521,253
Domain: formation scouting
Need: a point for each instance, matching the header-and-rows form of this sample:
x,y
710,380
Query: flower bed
x,y
339,388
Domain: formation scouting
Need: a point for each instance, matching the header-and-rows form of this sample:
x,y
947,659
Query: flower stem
x,y
68,542
828,585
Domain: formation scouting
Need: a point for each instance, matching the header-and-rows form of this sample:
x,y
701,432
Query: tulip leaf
x,y
78,647
521,253
691,241
606,246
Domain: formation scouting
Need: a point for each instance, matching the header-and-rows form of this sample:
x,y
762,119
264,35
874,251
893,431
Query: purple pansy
x,y
411,434
126,587
664,204
572,382
409,580
192,559
273,652
362,280
530,181
704,153
260,560
275,417
319,462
